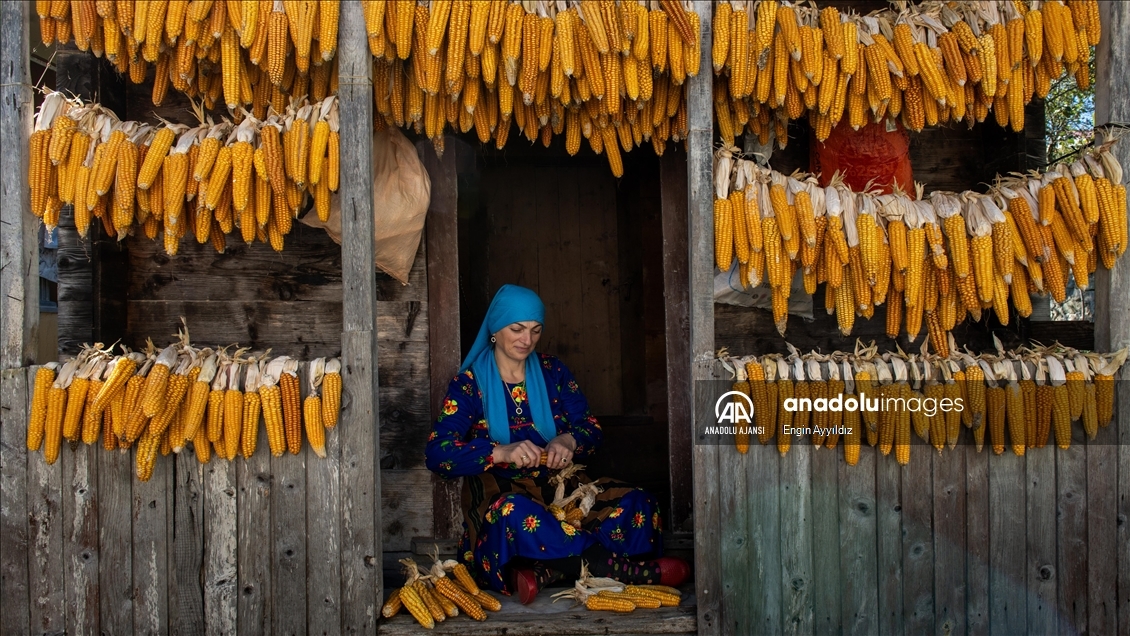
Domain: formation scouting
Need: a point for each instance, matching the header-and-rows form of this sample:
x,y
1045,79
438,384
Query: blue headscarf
x,y
510,305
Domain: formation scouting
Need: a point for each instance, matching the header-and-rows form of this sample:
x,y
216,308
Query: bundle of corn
x,y
605,594
880,399
433,596
924,64
934,260
172,180
611,72
243,54
164,398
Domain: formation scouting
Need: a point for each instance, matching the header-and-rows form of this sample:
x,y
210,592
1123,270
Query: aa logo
x,y
734,411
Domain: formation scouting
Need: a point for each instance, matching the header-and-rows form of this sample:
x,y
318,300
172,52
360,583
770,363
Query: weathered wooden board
x,y
254,603
763,519
918,559
288,537
115,541
220,565
406,504
796,538
561,622
1071,540
1102,532
949,542
859,571
1040,529
80,538
323,545
151,551
45,538
736,538
14,545
826,592
1007,555
188,543
889,531
977,612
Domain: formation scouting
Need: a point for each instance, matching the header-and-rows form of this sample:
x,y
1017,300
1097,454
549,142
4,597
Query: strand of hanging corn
x,y
250,54
934,260
163,399
879,399
171,180
923,64
609,72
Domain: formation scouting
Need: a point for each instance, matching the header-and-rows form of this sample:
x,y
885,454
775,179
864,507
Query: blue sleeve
x,y
576,419
455,446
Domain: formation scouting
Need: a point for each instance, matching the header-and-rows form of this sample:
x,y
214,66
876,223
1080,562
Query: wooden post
x,y
19,310
361,553
1108,461
442,236
700,246
19,256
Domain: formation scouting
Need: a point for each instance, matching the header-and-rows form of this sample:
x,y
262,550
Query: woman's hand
x,y
524,454
560,450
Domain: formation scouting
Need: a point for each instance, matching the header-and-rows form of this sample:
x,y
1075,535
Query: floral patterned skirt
x,y
507,518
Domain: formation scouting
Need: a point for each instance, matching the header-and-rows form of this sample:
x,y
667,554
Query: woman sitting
x,y
507,407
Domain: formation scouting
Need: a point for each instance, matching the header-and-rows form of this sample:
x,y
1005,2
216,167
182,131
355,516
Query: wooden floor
x,y
561,619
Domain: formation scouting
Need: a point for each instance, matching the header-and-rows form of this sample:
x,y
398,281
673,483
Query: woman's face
x,y
517,340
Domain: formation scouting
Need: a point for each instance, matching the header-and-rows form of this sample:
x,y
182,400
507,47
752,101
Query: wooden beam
x,y
673,180
19,255
361,553
1109,462
442,236
700,249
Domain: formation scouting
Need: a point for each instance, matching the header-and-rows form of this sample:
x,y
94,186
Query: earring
x,y
492,339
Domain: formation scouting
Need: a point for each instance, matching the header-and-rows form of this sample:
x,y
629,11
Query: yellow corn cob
x,y
996,406
219,178
1061,416
37,419
723,234
292,412
76,400
598,602
249,434
415,606
53,428
393,604
465,601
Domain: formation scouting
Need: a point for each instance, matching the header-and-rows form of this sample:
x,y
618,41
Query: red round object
x,y
871,155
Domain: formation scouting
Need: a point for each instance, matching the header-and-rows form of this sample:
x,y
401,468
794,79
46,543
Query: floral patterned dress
x,y
504,507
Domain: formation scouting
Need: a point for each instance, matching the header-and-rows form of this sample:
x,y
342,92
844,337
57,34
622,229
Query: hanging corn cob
x,y
921,64
943,256
124,172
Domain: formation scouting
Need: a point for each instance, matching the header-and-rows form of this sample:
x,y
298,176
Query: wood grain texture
x,y
220,566
1071,541
673,180
188,542
441,234
949,542
115,541
14,574
45,537
361,550
571,622
288,538
19,278
1007,555
80,539
1112,332
796,538
254,603
918,558
151,551
1042,578
859,572
763,519
700,239
977,608
405,497
826,592
323,544
889,531
738,575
